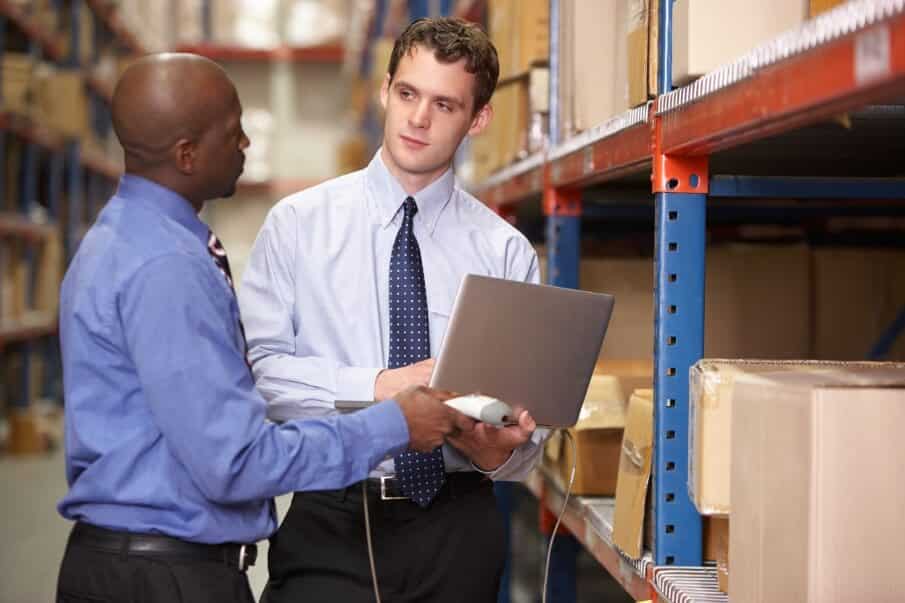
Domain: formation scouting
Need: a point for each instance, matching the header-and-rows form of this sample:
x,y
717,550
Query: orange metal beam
x,y
605,554
24,128
861,68
16,225
515,189
14,332
329,53
626,151
677,174
107,12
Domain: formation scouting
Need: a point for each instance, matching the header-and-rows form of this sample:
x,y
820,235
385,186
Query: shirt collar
x,y
155,197
388,194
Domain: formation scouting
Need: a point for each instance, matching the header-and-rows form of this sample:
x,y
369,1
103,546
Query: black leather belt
x,y
456,484
238,556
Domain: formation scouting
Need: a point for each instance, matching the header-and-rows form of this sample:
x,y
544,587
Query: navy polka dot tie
x,y
420,474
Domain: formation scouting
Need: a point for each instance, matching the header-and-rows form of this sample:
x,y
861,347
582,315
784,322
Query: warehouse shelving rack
x,y
719,140
79,178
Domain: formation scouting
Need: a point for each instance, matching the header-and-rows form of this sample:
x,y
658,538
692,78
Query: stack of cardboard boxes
x,y
830,303
825,302
792,454
520,30
609,55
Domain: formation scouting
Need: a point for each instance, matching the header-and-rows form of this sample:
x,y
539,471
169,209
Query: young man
x,y
347,295
170,463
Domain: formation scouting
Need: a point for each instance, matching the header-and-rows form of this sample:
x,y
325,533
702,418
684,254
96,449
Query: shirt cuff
x,y
387,426
355,383
493,472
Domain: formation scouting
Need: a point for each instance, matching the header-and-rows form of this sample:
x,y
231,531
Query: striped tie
x,y
218,253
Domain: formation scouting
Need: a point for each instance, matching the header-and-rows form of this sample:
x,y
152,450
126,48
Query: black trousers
x,y
90,575
452,551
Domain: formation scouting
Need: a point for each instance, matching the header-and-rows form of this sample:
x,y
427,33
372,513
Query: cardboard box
x,y
597,436
632,487
532,38
859,293
634,473
16,70
710,33
520,30
815,7
49,274
593,40
8,291
61,102
744,316
506,138
712,390
817,491
641,29
598,439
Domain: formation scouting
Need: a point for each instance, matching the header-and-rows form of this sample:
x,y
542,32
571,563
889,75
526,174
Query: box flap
x,y
604,404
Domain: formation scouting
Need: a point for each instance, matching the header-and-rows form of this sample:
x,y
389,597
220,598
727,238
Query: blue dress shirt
x,y
315,291
165,432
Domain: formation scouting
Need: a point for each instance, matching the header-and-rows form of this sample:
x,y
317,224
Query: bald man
x,y
169,460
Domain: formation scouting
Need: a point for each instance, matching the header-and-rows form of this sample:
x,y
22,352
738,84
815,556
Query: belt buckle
x,y
248,554
383,489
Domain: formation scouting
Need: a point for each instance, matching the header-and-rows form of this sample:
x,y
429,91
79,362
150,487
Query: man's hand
x,y
488,446
429,419
392,381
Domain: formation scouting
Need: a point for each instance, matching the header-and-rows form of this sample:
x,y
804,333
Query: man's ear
x,y
186,154
480,121
385,91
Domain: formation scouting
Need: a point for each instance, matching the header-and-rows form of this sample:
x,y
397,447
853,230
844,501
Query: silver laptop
x,y
529,345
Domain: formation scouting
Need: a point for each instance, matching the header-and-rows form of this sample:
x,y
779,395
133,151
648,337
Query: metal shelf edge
x,y
600,547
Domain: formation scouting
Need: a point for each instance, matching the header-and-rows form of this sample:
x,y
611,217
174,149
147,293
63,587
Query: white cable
x,y
364,498
562,512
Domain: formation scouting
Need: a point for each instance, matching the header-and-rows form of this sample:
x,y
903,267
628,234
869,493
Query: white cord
x,y
364,498
562,512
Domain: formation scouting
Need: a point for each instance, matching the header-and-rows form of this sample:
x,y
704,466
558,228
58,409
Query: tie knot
x,y
213,243
410,208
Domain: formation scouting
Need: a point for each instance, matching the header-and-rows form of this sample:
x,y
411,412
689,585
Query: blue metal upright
x,y
75,192
563,239
563,249
55,188
679,343
680,187
884,344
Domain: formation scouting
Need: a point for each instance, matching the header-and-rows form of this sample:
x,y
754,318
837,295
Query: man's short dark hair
x,y
452,39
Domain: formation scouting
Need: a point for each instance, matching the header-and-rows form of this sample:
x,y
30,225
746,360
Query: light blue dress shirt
x,y
315,291
165,432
